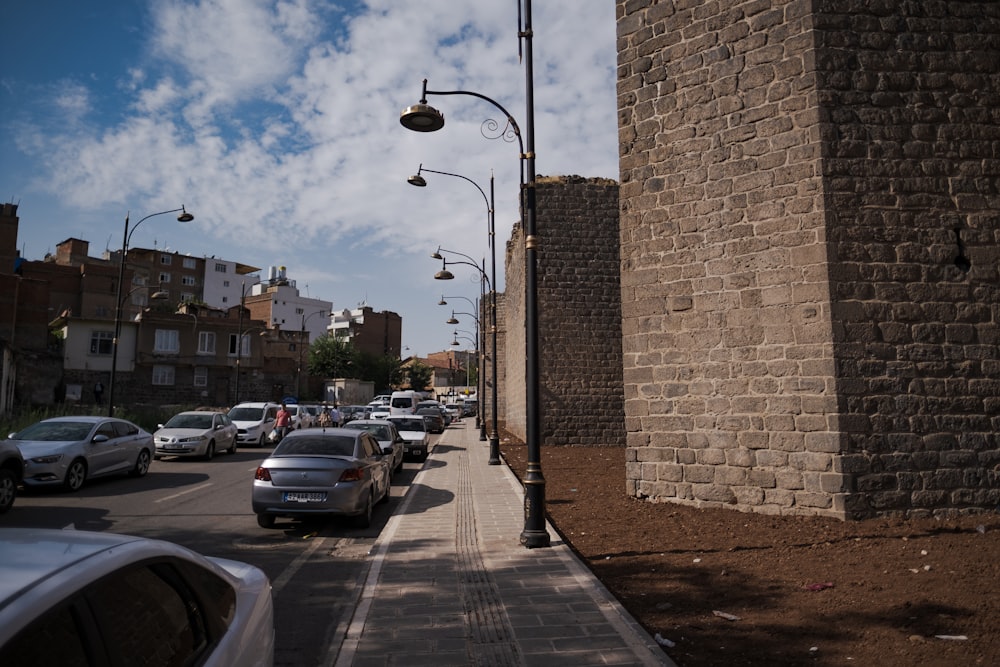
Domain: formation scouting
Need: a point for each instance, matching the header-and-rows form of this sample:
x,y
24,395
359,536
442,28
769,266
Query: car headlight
x,y
51,458
197,438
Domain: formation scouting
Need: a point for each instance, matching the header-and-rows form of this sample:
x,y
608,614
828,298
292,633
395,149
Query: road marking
x,y
296,565
184,492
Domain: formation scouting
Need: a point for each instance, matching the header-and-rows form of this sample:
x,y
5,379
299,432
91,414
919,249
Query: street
x,y
205,505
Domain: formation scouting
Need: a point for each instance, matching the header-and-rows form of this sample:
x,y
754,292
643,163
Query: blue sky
x,y
277,125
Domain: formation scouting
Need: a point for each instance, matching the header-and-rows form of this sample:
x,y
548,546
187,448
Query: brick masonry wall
x,y
579,315
797,335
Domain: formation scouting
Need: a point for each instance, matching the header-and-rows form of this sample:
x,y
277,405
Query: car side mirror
x,y
159,426
100,437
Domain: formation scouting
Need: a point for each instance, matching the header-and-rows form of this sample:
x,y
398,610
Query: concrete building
x,y
376,333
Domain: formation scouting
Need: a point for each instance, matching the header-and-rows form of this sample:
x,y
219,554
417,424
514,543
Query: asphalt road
x,y
315,568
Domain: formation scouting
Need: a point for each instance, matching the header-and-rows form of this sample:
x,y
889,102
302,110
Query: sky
x,y
276,123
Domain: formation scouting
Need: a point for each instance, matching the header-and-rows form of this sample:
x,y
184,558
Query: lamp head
x,y
421,117
452,319
417,180
184,216
437,255
444,274
455,342
442,302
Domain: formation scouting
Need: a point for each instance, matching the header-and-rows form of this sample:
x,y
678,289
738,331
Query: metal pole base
x,y
482,433
534,534
494,450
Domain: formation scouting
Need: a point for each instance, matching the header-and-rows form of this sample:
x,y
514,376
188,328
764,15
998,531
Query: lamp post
x,y
422,117
239,336
494,438
480,377
475,344
183,217
303,336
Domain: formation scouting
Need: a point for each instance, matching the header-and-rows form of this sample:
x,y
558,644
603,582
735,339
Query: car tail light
x,y
352,475
262,475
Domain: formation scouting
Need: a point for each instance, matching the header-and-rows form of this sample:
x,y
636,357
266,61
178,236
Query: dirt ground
x,y
730,588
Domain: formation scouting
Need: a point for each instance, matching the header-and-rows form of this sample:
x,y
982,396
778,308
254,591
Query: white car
x,y
196,433
70,597
388,438
413,430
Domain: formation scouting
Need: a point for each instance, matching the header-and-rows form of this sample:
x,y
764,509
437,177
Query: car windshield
x,y
246,414
202,421
336,445
56,431
409,424
380,431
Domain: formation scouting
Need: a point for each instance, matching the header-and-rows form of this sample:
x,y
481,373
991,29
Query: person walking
x,y
282,421
335,416
98,392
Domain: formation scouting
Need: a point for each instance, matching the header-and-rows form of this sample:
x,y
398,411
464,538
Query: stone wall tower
x,y
810,225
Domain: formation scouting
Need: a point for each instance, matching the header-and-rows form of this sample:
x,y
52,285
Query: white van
x,y
253,422
404,403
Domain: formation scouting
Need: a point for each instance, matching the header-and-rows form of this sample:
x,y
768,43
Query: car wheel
x,y
399,465
385,496
141,464
8,489
265,520
260,441
365,520
232,447
75,475
210,451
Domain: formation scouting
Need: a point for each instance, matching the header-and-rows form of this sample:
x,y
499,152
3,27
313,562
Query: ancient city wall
x,y
803,330
579,315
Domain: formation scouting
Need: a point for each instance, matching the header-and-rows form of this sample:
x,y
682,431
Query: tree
x,y
332,357
419,376
383,371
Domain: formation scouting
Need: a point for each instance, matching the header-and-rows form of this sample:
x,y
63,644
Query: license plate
x,y
304,497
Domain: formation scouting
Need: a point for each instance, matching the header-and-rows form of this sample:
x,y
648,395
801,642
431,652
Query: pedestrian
x,y
335,416
98,392
282,421
324,418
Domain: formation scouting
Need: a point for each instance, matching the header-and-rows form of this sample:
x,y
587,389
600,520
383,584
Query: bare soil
x,y
731,588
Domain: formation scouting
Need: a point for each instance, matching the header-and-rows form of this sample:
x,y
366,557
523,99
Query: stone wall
x,y
810,247
579,315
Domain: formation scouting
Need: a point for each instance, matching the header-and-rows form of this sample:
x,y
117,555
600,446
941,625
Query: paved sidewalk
x,y
450,584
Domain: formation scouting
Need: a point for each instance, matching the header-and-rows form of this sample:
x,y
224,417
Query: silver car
x,y
330,471
196,433
11,472
67,451
413,430
388,439
70,597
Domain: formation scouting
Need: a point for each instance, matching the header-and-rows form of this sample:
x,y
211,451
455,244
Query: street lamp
x,y
419,181
475,344
480,379
423,118
239,335
303,335
183,217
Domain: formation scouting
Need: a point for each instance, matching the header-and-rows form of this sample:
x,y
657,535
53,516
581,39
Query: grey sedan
x,y
388,439
68,451
331,471
197,433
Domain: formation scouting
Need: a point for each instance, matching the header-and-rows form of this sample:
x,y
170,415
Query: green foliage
x,y
332,357
419,376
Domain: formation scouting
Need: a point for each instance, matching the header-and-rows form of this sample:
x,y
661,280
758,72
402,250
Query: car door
x,y
129,442
377,463
225,431
105,451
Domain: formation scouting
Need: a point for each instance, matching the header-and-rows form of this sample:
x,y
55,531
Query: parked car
x,y
378,412
332,471
404,402
314,412
435,422
456,410
254,422
351,412
300,416
71,597
68,451
11,473
388,439
440,409
195,433
414,433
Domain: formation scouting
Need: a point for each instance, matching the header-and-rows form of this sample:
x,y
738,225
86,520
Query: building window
x,y
220,267
225,283
300,311
163,375
225,299
164,277
188,280
138,280
200,376
101,342
187,297
245,352
165,260
140,299
168,341
190,263
206,342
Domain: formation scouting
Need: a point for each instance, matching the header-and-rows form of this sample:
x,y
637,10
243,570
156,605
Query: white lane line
x,y
183,493
295,566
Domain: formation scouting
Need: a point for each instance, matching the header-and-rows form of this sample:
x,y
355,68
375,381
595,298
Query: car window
x,y
53,639
316,445
108,429
199,421
58,431
247,414
148,619
371,447
123,428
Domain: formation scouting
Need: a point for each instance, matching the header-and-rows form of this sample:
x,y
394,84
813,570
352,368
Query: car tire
x,y
8,489
232,447
141,464
260,441
76,474
265,520
210,451
399,466
364,520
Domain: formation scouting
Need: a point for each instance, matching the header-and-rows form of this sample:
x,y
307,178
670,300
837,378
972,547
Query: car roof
x,y
90,419
368,421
